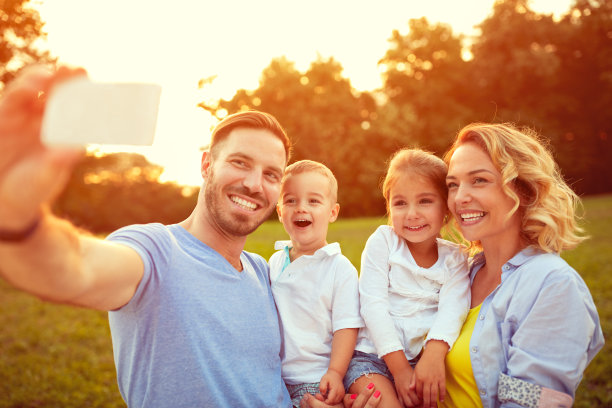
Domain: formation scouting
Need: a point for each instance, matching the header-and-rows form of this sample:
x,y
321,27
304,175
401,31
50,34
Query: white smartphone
x,y
81,112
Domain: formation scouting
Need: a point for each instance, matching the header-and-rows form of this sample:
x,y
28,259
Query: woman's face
x,y
476,198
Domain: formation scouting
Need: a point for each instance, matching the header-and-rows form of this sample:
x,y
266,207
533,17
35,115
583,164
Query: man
x,y
192,318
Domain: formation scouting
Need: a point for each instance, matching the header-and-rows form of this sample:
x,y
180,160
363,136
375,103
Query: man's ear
x,y
334,212
205,164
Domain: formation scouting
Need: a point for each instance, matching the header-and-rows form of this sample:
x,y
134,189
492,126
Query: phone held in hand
x,y
81,112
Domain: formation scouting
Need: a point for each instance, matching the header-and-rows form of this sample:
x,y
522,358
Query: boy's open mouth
x,y
302,223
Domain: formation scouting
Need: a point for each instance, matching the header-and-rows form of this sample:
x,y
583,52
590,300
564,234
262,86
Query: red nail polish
x,y
376,394
370,386
353,396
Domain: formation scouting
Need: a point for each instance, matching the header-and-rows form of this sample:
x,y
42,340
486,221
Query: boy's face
x,y
305,209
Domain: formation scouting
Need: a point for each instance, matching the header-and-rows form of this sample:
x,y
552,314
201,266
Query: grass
x,y
61,356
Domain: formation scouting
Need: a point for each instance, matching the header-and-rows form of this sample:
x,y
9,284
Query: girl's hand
x,y
407,395
331,386
429,380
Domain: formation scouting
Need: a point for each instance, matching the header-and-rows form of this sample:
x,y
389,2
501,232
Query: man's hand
x,y
331,386
31,174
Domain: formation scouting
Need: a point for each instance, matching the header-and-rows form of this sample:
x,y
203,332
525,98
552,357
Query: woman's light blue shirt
x,y
539,325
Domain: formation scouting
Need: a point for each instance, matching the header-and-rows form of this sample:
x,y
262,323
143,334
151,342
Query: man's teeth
x,y
472,216
247,205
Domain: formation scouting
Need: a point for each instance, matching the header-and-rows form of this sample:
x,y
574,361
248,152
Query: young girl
x,y
414,288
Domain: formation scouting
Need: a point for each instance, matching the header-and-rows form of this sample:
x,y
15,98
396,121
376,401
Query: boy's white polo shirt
x,y
316,295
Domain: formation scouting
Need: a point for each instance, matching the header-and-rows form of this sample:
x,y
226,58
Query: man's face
x,y
243,180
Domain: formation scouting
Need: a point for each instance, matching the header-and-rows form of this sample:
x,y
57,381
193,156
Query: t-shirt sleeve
x,y
345,304
152,242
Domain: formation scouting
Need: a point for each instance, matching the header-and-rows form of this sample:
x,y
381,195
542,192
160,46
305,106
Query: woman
x,y
532,328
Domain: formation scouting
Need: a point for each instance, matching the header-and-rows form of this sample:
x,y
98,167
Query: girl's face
x,y
476,198
416,210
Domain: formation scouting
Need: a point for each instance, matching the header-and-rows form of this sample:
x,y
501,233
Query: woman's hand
x,y
367,398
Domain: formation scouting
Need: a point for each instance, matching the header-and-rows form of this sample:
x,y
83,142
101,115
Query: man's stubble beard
x,y
234,224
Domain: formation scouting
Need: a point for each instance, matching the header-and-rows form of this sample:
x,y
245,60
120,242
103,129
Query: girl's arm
x,y
343,345
374,292
454,299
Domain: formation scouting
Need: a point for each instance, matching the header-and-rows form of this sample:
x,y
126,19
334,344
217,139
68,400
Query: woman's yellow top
x,y
461,388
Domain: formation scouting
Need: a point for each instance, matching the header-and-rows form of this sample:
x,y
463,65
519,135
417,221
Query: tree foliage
x,y
110,191
327,120
20,28
523,67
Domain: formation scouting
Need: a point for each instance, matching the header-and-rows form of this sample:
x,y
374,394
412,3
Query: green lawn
x,y
59,356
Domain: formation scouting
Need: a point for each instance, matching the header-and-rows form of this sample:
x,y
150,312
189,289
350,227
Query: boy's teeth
x,y
302,223
247,205
472,216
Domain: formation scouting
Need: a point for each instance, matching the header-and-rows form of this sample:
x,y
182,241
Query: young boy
x,y
315,287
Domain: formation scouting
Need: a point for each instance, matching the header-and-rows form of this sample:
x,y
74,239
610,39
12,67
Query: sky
x,y
175,44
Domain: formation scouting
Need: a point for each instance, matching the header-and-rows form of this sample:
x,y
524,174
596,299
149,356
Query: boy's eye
x,y
314,201
289,201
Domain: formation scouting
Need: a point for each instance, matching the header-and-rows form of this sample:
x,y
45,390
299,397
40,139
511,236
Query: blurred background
x,y
352,82
417,81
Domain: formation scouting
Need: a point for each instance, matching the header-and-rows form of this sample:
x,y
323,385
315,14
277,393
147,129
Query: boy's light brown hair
x,y
305,166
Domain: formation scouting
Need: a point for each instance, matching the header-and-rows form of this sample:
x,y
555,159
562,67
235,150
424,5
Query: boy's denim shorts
x,y
365,364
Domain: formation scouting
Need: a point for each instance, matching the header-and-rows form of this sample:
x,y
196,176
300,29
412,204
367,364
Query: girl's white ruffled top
x,y
404,305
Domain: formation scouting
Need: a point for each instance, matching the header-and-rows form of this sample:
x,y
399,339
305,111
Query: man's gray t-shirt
x,y
197,333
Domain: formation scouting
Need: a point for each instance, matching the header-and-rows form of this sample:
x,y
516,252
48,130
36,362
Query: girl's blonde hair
x,y
532,179
419,162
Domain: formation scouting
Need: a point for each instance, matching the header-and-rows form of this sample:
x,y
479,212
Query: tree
x,y
426,83
327,120
20,28
106,192
554,76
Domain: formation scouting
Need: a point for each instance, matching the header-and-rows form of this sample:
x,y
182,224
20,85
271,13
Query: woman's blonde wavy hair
x,y
532,179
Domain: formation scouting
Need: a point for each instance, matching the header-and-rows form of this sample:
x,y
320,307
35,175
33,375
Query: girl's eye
x,y
398,203
314,201
426,201
451,184
289,200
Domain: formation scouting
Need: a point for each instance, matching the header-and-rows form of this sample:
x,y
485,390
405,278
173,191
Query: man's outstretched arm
x,y
40,253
